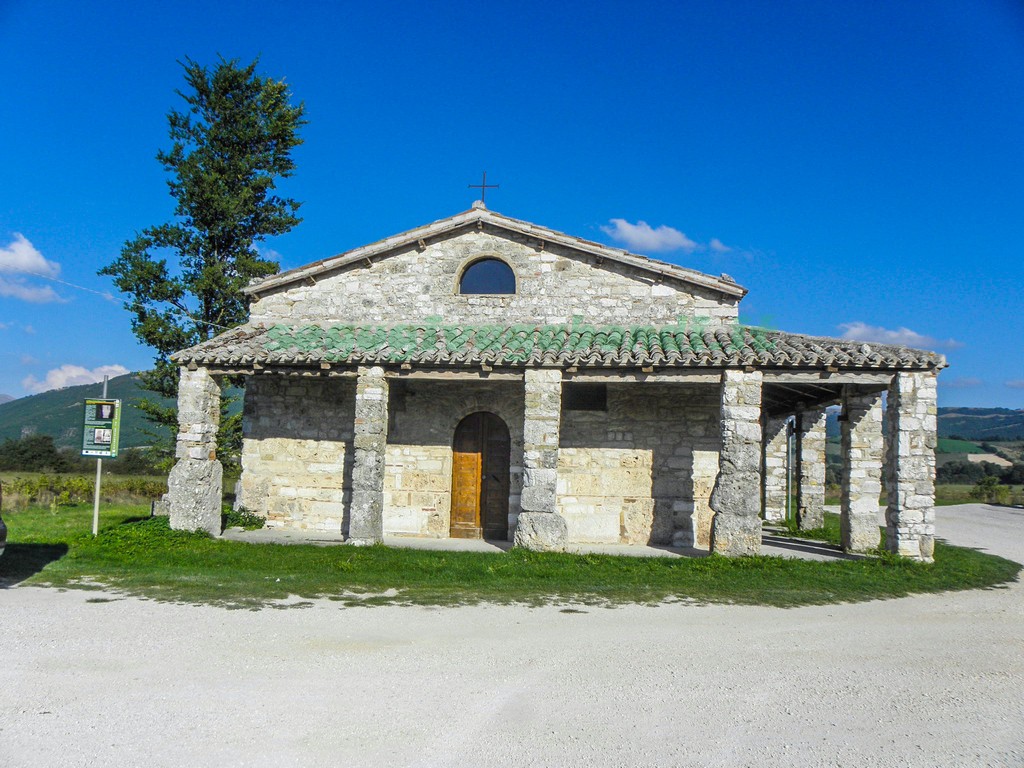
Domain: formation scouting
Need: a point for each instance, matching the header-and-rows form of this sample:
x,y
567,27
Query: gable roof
x,y
479,215
517,346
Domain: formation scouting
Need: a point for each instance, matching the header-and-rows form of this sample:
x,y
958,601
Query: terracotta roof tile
x,y
684,346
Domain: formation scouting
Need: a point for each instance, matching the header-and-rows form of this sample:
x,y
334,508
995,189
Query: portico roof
x,y
519,346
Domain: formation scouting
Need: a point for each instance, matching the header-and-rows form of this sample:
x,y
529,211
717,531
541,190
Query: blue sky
x,y
857,166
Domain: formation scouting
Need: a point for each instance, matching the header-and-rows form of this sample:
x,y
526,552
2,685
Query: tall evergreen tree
x,y
183,279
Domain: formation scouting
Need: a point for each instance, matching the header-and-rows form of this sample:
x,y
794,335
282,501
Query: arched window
x,y
488,276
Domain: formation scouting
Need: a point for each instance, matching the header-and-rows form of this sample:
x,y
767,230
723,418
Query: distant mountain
x,y
5,399
60,412
982,423
967,423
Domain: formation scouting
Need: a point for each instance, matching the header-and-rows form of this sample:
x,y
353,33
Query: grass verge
x,y
141,556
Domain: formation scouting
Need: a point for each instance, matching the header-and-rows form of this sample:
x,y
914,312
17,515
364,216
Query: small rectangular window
x,y
585,397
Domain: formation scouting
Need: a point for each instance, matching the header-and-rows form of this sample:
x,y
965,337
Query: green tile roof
x,y
430,344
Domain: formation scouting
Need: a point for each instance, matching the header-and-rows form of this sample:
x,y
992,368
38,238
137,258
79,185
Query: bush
x,y
64,490
241,518
989,490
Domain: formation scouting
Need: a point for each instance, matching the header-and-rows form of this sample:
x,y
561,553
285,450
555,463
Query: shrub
x,y
62,490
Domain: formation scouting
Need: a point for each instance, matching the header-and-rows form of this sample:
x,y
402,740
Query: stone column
x,y
861,425
195,484
910,466
540,527
810,452
366,518
776,442
736,498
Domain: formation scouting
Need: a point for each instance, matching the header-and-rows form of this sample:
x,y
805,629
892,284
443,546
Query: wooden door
x,y
480,478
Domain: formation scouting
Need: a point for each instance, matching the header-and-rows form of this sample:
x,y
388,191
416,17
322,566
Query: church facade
x,y
482,376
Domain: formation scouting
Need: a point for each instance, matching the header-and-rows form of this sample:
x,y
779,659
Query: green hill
x,y
982,423
59,413
970,424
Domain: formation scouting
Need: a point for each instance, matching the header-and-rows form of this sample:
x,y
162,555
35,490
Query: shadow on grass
x,y
22,561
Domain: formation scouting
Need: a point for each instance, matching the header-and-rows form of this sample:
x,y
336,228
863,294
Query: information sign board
x,y
102,428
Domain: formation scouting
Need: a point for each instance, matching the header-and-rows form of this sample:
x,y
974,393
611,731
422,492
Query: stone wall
x,y
194,486
810,453
297,451
910,465
776,445
862,450
643,471
736,499
418,470
553,286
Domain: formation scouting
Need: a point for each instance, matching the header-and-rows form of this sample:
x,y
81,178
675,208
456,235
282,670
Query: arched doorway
x,y
480,478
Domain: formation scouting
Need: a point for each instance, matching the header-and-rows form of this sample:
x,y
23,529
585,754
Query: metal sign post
x,y
100,436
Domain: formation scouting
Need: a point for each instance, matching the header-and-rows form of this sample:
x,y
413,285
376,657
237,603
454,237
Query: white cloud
x,y
268,253
962,382
18,288
1015,383
905,337
21,257
642,237
71,375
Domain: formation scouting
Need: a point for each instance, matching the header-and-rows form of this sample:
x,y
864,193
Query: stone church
x,y
483,376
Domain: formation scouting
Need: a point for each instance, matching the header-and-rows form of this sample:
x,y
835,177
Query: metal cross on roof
x,y
483,186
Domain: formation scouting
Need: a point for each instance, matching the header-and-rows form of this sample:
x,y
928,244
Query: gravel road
x,y
932,680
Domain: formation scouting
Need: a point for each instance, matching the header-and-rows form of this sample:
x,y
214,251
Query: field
x,y
949,445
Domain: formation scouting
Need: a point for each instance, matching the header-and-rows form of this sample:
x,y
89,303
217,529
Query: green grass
x,y
141,556
949,445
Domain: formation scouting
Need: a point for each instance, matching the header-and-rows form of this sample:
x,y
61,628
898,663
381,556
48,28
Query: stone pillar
x,y
195,484
910,467
366,518
861,425
810,453
540,527
736,498
776,443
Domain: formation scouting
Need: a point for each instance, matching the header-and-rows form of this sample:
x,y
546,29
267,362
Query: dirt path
x,y
922,681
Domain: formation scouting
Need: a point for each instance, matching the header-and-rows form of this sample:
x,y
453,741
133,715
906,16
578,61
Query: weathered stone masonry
x,y
642,471
195,484
736,499
810,449
862,446
297,451
776,447
418,471
366,525
360,367
910,470
540,526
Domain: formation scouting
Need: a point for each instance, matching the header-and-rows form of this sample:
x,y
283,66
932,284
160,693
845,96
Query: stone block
x,y
541,531
194,492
